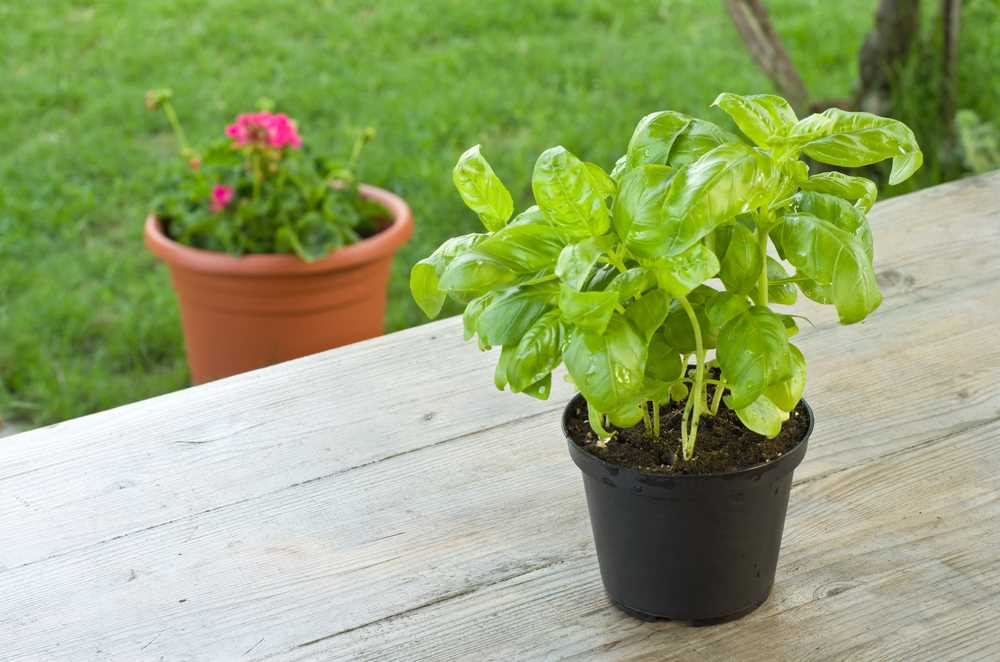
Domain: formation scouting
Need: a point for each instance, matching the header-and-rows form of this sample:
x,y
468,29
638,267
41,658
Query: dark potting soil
x,y
723,444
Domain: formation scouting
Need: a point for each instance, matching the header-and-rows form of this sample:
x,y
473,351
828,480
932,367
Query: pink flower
x,y
272,130
221,196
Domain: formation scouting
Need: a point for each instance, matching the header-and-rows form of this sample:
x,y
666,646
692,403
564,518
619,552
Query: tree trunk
x,y
950,12
765,46
884,51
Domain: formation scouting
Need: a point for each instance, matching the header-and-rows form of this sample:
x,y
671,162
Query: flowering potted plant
x,y
631,279
274,252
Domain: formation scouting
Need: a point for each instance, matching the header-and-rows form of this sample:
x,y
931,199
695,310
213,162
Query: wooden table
x,y
383,501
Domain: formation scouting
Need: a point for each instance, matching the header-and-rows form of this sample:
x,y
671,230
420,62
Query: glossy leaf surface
x,y
759,116
787,393
680,274
481,189
699,138
753,354
857,190
607,367
831,256
741,263
638,212
506,319
426,274
567,194
590,311
729,180
855,139
538,352
763,417
654,137
576,261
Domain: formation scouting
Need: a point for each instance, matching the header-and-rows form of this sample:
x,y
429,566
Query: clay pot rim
x,y
378,246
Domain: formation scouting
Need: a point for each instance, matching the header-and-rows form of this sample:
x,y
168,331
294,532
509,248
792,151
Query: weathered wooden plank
x,y
257,541
329,556
875,566
204,448
84,481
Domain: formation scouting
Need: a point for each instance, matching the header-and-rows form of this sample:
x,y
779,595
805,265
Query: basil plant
x,y
630,277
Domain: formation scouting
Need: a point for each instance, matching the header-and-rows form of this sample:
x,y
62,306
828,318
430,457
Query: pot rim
x,y
379,245
595,466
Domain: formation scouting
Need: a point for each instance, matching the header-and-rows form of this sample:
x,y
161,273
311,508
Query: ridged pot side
x,y
701,548
243,313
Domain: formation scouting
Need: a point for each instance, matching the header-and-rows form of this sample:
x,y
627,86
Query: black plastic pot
x,y
699,548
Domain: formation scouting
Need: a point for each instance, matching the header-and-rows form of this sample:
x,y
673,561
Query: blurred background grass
x,y
87,317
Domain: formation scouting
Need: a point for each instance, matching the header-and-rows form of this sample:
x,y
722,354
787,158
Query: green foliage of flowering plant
x,y
626,277
259,190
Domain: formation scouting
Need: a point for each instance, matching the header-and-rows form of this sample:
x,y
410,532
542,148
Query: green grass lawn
x,y
87,317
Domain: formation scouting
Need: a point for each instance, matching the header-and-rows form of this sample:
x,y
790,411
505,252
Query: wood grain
x,y
383,502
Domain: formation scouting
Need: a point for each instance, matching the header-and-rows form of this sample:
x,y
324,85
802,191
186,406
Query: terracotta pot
x,y
242,313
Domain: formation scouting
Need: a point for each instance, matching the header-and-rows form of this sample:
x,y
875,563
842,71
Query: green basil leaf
x,y
566,192
782,293
680,274
601,278
818,292
503,364
832,256
475,273
541,389
648,312
470,316
638,212
596,420
791,328
837,211
786,394
855,139
763,417
731,179
699,138
718,239
530,216
506,319
653,138
760,116
655,390
791,176
576,261
425,274
620,168
482,190
628,414
663,362
741,264
600,179
523,248
607,367
679,333
538,352
753,354
724,306
632,283
425,290
590,311
860,191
